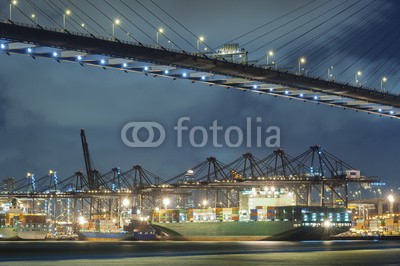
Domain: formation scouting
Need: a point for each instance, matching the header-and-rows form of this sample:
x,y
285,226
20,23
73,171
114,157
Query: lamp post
x,y
200,40
358,76
66,13
330,73
159,31
383,80
13,3
34,18
116,22
270,54
302,61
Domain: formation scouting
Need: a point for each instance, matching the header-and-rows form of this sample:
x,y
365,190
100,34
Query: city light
x,y
146,68
102,61
29,50
184,74
166,202
2,46
55,54
391,198
124,65
166,71
125,202
79,58
302,61
81,220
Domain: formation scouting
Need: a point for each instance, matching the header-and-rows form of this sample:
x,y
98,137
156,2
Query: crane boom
x,y
86,156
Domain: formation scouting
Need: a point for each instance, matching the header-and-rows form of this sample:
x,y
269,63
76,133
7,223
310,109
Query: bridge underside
x,y
158,61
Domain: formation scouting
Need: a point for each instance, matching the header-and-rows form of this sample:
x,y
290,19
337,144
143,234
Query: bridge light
x,y
255,87
166,202
301,95
117,21
166,71
271,89
315,97
102,61
357,76
82,25
146,68
161,30
203,77
79,58
2,46
379,110
286,92
391,112
124,65
29,50
55,54
184,74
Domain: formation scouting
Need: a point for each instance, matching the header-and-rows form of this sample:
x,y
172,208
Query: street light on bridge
x,y
34,18
159,31
270,54
13,3
383,80
66,13
358,76
116,22
201,39
302,61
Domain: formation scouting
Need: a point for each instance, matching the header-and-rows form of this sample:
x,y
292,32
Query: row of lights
x,y
201,39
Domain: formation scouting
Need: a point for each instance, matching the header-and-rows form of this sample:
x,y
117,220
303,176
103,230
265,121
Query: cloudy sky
x,y
44,104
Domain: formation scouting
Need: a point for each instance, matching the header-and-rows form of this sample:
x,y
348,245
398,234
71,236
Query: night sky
x,y
44,104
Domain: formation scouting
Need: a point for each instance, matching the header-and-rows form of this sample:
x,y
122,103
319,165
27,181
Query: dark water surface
x,y
200,253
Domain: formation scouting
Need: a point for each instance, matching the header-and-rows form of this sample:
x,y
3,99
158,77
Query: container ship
x,y
108,230
267,213
14,225
263,223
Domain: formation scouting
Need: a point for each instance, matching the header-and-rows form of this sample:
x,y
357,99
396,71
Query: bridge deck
x,y
134,57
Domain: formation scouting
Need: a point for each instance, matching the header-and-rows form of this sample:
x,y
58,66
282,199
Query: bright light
x,y
315,97
255,86
55,54
117,21
190,172
184,74
2,46
203,77
33,16
79,58
205,202
301,95
146,68
81,220
29,50
379,110
327,223
166,71
83,25
391,112
302,60
114,220
68,12
160,30
201,38
102,61
384,79
157,209
166,202
14,2
270,53
125,202
124,64
359,73
391,198
51,172
286,92
271,89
